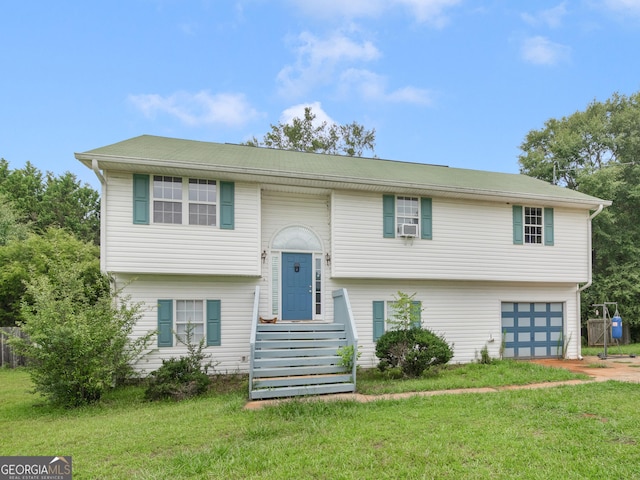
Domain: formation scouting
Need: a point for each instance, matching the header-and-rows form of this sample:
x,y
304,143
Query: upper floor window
x,y
202,202
407,213
176,200
167,199
532,225
404,216
170,195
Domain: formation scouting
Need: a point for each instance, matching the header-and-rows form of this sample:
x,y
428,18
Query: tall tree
x,y
11,228
597,152
45,201
305,135
44,255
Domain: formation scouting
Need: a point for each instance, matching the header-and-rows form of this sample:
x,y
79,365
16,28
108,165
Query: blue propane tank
x,y
616,327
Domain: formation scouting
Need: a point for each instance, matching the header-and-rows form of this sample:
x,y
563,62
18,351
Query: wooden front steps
x,y
295,359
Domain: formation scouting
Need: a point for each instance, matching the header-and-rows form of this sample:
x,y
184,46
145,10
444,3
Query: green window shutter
x,y
518,230
165,323
426,214
389,216
141,199
378,319
213,323
416,307
548,226
227,200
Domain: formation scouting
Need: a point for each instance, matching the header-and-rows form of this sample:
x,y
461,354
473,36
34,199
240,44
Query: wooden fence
x,y
595,333
8,357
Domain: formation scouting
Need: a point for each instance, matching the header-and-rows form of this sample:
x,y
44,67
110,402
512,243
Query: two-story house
x,y
218,235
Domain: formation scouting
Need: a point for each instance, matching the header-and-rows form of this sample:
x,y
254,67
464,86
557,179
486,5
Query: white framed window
x,y
407,213
533,225
174,200
384,316
176,316
190,312
202,202
167,199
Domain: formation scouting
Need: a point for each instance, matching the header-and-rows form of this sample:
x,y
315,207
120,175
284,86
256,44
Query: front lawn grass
x,y
631,349
586,431
498,373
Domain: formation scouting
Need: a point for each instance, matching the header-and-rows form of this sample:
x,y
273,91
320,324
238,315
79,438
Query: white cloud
x,y
373,87
294,111
197,109
422,11
551,18
429,11
341,8
542,51
317,60
631,7
335,48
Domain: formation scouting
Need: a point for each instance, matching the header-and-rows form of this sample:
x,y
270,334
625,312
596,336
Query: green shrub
x,y
184,377
78,344
176,379
485,358
412,350
346,357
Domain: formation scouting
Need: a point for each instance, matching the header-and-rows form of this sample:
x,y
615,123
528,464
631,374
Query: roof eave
x,y
264,175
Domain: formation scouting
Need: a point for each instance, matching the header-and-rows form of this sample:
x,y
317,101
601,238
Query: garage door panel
x,y
541,336
524,352
532,329
556,322
524,337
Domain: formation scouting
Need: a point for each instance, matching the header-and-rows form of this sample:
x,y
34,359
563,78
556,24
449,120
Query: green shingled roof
x,y
156,151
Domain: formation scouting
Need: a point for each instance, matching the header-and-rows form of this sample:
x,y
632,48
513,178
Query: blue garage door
x,y
532,330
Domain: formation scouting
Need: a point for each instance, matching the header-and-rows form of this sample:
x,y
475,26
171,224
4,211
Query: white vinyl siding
x,y
236,299
467,314
179,249
474,241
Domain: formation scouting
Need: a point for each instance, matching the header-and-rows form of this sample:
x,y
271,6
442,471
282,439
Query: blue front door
x,y
297,286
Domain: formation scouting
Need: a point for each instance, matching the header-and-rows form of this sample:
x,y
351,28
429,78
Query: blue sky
x,y
453,82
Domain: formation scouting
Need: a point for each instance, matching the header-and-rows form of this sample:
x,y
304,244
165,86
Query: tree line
x,y
597,151
47,222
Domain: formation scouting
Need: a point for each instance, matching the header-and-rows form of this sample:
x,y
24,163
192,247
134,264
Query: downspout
x,y
591,217
103,214
96,170
590,262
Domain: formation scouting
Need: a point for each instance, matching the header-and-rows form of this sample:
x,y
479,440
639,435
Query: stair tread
x,y
300,327
270,371
277,392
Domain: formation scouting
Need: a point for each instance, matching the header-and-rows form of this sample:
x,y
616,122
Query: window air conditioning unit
x,y
408,230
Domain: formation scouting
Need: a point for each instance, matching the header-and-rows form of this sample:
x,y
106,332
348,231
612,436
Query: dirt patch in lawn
x,y
614,367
